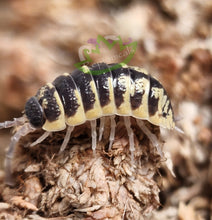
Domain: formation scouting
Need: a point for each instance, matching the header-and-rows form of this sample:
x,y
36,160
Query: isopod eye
x,y
34,113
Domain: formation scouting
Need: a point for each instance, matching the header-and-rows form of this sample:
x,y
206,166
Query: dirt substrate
x,y
40,40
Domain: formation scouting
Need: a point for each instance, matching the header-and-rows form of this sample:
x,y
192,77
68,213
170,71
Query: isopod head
x,y
34,112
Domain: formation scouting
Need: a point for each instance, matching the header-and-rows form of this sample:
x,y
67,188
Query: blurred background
x,y
40,40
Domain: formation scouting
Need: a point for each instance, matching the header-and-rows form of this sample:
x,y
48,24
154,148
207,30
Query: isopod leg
x,y
112,131
14,123
180,131
101,127
93,135
130,134
41,138
67,138
24,130
151,136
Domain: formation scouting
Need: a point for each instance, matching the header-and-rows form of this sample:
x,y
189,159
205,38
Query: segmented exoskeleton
x,y
86,94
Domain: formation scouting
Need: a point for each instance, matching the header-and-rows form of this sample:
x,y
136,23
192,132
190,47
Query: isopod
x,y
72,99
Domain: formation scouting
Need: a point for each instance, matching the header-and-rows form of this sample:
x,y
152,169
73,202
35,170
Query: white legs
x,y
93,135
101,127
67,138
101,130
41,138
14,123
112,131
24,130
152,137
130,134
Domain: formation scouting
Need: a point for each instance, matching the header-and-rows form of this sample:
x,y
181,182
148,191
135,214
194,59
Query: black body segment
x,y
154,96
119,84
166,105
66,87
102,83
49,103
138,88
82,81
34,112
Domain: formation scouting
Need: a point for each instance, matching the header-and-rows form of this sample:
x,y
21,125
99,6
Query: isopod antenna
x,y
14,123
22,131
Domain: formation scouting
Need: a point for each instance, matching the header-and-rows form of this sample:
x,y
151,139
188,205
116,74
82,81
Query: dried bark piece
x,y
20,202
32,191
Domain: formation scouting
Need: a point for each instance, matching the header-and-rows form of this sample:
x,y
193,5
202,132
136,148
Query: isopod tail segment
x,y
73,99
